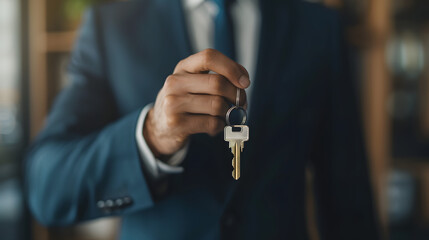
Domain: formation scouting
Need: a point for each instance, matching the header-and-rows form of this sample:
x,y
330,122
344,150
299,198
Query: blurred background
x,y
389,46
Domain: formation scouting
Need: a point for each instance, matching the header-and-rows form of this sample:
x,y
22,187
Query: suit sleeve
x,y
85,164
343,190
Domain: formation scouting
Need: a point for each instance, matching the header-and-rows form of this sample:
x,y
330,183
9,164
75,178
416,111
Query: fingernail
x,y
244,81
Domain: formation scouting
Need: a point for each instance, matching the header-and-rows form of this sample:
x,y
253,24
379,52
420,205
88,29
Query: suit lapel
x,y
174,28
275,28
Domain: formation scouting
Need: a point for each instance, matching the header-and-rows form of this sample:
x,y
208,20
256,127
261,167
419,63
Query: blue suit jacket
x,y
303,112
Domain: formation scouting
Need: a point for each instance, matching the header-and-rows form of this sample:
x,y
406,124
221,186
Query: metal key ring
x,y
237,98
237,106
228,114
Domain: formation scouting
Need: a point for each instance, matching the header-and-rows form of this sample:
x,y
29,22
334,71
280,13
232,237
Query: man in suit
x,y
137,133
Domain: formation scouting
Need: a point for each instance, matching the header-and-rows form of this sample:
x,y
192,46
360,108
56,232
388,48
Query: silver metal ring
x,y
237,98
228,113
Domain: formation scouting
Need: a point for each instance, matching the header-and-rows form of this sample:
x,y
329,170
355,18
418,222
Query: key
x,y
236,135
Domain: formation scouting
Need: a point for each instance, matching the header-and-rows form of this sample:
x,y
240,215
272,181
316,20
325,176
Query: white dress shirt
x,y
199,15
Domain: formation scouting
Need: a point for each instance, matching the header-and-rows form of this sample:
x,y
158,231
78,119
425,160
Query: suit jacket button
x,y
127,201
109,203
101,204
119,202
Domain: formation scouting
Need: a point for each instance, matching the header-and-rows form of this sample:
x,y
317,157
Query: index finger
x,y
213,60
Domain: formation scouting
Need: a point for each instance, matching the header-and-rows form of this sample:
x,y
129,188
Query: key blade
x,y
236,161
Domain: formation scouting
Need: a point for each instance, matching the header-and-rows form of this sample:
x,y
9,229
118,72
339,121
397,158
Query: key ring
x,y
237,98
238,108
228,114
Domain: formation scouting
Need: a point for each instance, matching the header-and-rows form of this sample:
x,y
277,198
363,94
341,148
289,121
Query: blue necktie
x,y
224,34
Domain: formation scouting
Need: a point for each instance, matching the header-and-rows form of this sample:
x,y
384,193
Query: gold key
x,y
236,135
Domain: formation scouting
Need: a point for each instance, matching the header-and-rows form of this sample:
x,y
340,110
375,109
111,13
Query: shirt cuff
x,y
155,167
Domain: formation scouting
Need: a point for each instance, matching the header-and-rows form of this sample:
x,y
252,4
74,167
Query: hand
x,y
194,101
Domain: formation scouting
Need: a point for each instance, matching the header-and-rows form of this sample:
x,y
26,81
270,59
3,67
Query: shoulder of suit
x,y
121,17
123,9
316,6
316,11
